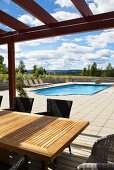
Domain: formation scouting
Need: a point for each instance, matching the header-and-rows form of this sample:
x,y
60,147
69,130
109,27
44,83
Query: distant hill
x,y
60,71
63,71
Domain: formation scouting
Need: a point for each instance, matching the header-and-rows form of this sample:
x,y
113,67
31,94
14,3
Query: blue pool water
x,y
72,89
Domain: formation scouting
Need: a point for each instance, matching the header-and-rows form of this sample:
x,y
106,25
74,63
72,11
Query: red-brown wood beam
x,y
2,31
36,10
11,72
58,31
11,22
82,7
97,17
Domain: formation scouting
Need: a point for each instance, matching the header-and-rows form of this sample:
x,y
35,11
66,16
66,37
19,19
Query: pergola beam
x,y
2,31
66,30
82,7
11,22
51,32
93,18
36,10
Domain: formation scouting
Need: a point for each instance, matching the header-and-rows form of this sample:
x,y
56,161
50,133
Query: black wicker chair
x,y
22,164
22,104
58,108
102,155
1,99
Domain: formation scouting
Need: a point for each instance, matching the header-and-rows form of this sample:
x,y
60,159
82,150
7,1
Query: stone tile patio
x,y
97,108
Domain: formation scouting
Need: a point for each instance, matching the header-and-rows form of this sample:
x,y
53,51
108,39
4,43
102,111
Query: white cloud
x,y
97,6
66,56
40,41
78,39
30,20
101,57
74,48
62,15
69,54
101,6
101,40
64,3
59,15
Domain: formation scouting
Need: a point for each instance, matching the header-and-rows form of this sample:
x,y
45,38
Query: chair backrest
x,y
103,149
59,108
25,82
23,104
40,81
30,82
36,81
1,99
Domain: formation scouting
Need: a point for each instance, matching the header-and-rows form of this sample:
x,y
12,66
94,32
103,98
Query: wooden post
x,y
11,71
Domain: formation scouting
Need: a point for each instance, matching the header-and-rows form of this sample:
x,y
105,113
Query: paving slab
x,y
97,108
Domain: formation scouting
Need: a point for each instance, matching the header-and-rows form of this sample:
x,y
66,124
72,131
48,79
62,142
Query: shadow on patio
x,y
65,161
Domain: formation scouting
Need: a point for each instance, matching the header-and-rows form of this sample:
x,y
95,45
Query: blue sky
x,y
64,52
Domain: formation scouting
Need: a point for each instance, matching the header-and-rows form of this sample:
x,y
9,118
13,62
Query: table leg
x,y
44,165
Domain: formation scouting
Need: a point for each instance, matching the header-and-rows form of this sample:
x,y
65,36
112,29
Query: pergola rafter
x,y
83,8
51,27
11,21
38,11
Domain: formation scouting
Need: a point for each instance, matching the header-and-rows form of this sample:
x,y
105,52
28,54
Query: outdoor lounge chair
x,y
26,84
102,155
21,164
22,104
42,83
31,83
36,82
58,108
1,99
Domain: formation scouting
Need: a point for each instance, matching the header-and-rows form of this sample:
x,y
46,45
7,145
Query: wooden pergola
x,y
51,28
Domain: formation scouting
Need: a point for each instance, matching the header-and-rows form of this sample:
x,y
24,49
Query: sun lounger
x,y
36,82
31,83
41,82
26,84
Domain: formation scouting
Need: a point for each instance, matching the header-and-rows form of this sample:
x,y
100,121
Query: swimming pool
x,y
72,89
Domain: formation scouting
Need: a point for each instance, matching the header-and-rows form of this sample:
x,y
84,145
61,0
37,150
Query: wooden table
x,y
38,136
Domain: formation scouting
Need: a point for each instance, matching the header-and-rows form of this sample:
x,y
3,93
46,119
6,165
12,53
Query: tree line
x,y
21,68
92,70
36,70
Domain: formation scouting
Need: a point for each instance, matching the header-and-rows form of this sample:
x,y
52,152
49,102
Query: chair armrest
x,y
22,164
96,166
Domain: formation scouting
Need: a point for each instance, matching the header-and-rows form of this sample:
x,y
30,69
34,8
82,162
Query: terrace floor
x,y
97,108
